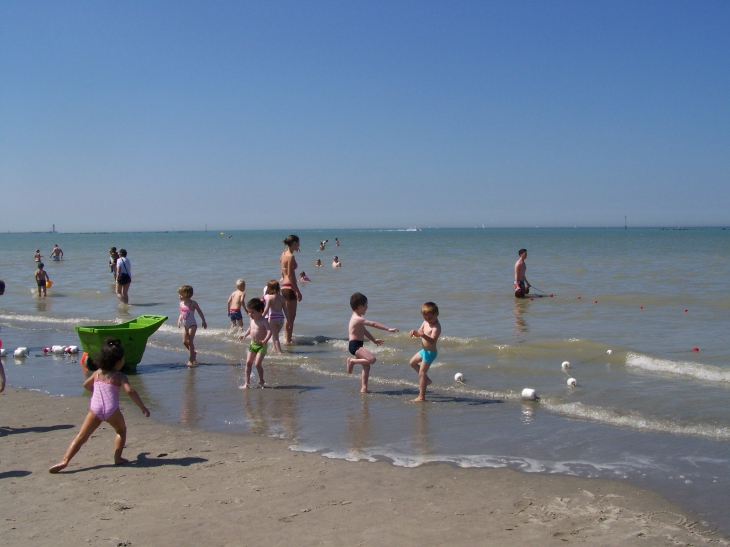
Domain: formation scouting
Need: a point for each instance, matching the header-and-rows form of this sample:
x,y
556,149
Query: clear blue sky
x,y
170,115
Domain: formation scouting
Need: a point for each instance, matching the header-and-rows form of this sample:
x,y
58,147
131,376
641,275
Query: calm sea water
x,y
653,412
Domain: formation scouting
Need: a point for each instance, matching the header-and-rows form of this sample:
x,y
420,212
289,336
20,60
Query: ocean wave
x,y
54,320
578,468
708,373
635,420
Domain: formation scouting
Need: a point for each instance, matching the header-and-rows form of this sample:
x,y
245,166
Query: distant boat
x,y
413,229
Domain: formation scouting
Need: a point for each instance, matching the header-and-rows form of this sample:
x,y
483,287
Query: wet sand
x,y
192,487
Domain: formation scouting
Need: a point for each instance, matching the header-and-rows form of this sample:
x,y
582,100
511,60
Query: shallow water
x,y
653,412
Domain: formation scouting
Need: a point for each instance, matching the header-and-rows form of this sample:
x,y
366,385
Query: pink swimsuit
x,y
187,316
105,398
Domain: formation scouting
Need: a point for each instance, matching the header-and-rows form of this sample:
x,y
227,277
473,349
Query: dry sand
x,y
186,487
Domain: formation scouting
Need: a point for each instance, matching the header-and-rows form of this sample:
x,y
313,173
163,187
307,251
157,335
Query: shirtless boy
x,y
522,286
235,303
260,332
429,333
357,335
40,278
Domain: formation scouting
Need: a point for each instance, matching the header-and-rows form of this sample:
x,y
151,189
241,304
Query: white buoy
x,y
529,394
609,351
458,377
20,352
572,382
58,350
566,365
72,349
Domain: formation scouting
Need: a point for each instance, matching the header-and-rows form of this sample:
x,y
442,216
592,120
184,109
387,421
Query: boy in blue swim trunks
x,y
260,332
235,303
357,334
429,332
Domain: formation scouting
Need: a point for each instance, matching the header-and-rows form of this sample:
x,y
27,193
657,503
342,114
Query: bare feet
x,y
56,468
365,390
419,400
245,386
350,365
262,385
121,461
191,364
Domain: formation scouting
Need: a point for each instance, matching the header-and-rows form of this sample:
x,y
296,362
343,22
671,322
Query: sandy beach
x,y
192,487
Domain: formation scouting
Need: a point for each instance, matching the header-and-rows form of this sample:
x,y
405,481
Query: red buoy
x,y
695,348
579,298
595,301
551,295
532,299
641,307
685,311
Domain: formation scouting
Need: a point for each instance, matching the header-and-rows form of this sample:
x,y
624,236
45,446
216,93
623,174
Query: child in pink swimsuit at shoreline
x,y
186,320
275,311
105,384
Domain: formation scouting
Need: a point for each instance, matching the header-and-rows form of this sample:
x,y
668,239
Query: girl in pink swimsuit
x,y
188,308
104,384
275,311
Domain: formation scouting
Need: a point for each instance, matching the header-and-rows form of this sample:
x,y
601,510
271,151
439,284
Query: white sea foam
x,y
528,465
23,318
708,373
635,420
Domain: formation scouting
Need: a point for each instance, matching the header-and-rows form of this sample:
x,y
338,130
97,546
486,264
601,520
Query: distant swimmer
x,y
38,255
522,286
303,278
336,263
56,253
319,263
337,242
323,244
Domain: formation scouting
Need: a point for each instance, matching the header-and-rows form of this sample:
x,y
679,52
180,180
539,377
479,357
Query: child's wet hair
x,y
272,287
429,308
357,300
240,284
185,290
40,265
521,251
2,286
122,252
109,355
256,304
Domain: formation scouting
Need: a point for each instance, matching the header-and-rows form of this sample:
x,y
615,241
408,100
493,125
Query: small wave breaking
x,y
708,373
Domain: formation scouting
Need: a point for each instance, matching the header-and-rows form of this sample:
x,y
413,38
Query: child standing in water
x,y
260,332
104,384
275,311
235,303
186,320
357,334
428,332
41,277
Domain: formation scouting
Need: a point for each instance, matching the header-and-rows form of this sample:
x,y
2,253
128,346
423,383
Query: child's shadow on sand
x,y
14,474
37,429
143,461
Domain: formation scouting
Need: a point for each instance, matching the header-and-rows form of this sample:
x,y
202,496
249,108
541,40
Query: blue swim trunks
x,y
235,315
428,356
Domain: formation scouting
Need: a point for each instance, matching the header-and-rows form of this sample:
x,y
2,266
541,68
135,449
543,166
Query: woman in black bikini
x,y
289,289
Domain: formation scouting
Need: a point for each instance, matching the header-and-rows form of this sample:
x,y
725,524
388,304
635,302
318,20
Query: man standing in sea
x,y
522,286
